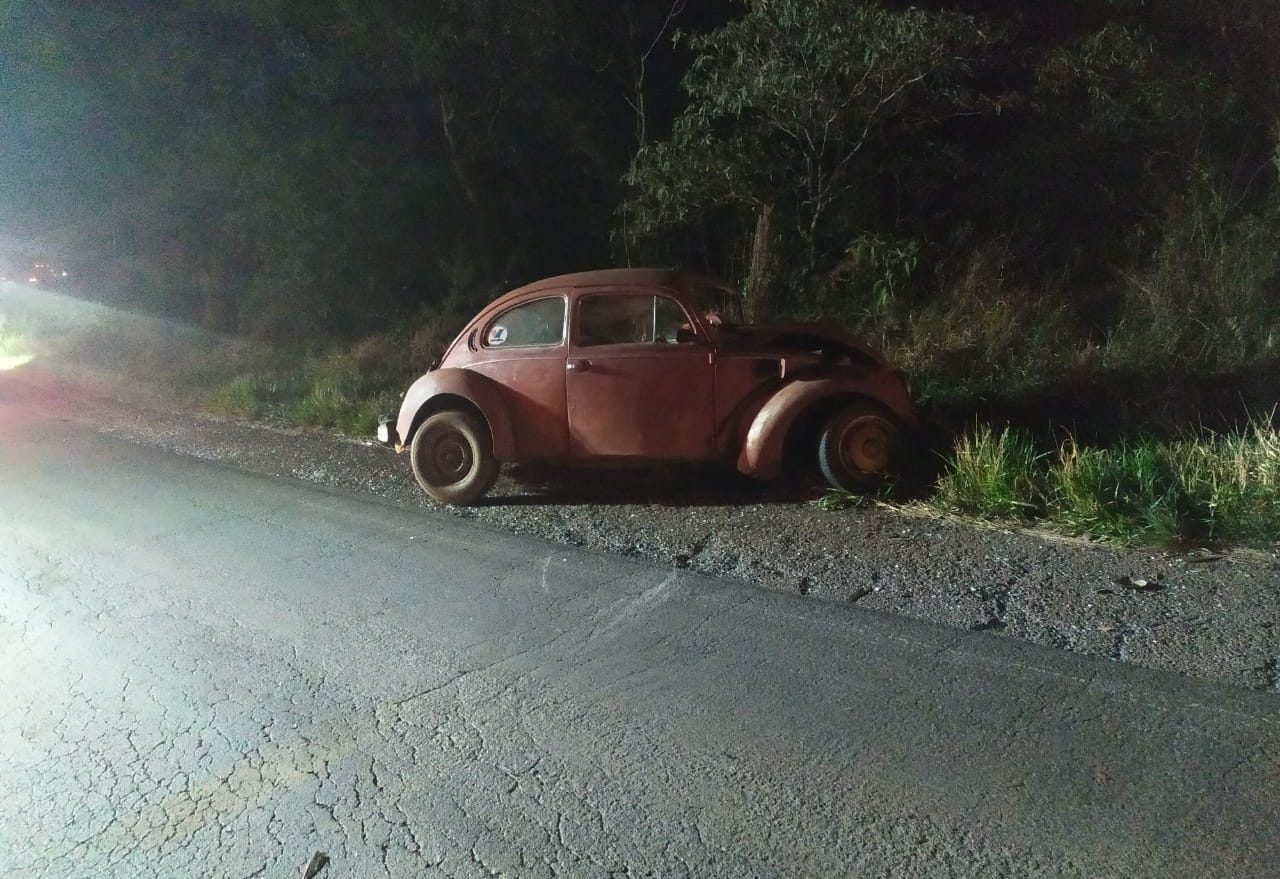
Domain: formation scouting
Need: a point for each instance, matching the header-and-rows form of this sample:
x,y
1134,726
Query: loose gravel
x,y
1205,614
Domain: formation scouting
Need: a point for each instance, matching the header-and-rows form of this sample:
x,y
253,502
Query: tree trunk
x,y
759,304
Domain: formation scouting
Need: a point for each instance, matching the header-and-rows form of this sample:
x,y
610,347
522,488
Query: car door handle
x,y
578,365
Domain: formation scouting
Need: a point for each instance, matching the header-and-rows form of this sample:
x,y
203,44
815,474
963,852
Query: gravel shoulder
x,y
1207,615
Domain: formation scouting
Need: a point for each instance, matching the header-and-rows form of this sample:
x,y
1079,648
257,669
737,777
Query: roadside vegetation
x,y
1063,221
1201,487
1143,485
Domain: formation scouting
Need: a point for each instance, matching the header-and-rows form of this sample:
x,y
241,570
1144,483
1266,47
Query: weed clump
x,y
1232,481
1125,493
995,474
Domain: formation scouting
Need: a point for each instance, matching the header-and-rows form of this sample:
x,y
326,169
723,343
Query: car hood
x,y
794,337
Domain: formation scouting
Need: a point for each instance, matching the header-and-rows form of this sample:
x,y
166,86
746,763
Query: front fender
x,y
481,392
760,454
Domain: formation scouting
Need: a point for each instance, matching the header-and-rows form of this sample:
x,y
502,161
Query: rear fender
x,y
765,433
447,388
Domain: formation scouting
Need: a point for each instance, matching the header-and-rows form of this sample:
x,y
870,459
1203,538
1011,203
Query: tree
x,y
787,107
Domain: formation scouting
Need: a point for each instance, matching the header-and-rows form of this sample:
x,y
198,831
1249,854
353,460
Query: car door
x,y
636,386
523,350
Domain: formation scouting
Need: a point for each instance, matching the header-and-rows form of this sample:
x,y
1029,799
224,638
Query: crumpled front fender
x,y
443,389
761,449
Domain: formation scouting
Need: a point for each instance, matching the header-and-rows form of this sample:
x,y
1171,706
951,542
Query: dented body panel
x,y
766,427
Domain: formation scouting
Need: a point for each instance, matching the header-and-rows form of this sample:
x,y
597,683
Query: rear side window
x,y
532,324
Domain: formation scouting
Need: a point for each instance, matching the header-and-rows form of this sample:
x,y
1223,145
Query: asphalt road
x,y
215,674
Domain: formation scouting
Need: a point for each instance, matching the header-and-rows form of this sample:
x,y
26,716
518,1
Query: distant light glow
x,y
13,361
33,280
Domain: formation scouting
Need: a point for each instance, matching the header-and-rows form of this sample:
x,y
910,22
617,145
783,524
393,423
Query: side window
x,y
532,324
631,318
668,319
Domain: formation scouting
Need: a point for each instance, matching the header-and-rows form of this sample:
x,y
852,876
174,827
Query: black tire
x,y
859,447
452,458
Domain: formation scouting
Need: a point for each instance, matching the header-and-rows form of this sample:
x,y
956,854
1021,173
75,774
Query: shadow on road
x,y
673,485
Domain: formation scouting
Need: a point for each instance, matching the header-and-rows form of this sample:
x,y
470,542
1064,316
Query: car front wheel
x,y
859,447
452,457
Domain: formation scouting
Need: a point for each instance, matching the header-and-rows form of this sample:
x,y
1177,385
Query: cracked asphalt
x,y
207,672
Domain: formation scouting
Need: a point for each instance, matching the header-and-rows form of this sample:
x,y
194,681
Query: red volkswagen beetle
x,y
629,365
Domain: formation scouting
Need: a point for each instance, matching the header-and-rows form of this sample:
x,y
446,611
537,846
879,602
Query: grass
x,y
1233,481
342,388
1204,487
992,474
338,387
1129,493
1130,372
13,342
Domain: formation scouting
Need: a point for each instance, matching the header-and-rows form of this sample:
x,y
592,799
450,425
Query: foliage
x,y
1232,481
1201,486
1126,493
790,106
294,170
993,473
1210,296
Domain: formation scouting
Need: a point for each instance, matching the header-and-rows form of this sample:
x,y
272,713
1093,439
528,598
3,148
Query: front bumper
x,y
387,432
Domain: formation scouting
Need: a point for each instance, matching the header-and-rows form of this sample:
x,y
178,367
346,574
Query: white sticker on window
x,y
497,335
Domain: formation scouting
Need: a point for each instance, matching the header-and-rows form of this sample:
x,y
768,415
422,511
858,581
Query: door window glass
x,y
668,320
639,318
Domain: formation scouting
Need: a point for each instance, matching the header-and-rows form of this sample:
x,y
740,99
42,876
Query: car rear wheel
x,y
452,457
859,447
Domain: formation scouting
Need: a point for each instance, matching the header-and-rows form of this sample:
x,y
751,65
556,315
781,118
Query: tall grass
x,y
1128,493
1207,299
341,387
1221,487
1199,296
993,474
344,389
1233,482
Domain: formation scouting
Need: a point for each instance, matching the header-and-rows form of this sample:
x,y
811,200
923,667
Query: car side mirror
x,y
687,337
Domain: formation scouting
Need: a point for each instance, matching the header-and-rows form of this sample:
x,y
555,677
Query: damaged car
x,y
625,366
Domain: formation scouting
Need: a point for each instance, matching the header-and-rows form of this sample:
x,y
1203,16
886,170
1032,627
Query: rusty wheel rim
x,y
866,446
449,458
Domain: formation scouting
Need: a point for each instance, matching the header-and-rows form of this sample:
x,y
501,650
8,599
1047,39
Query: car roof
x,y
674,278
